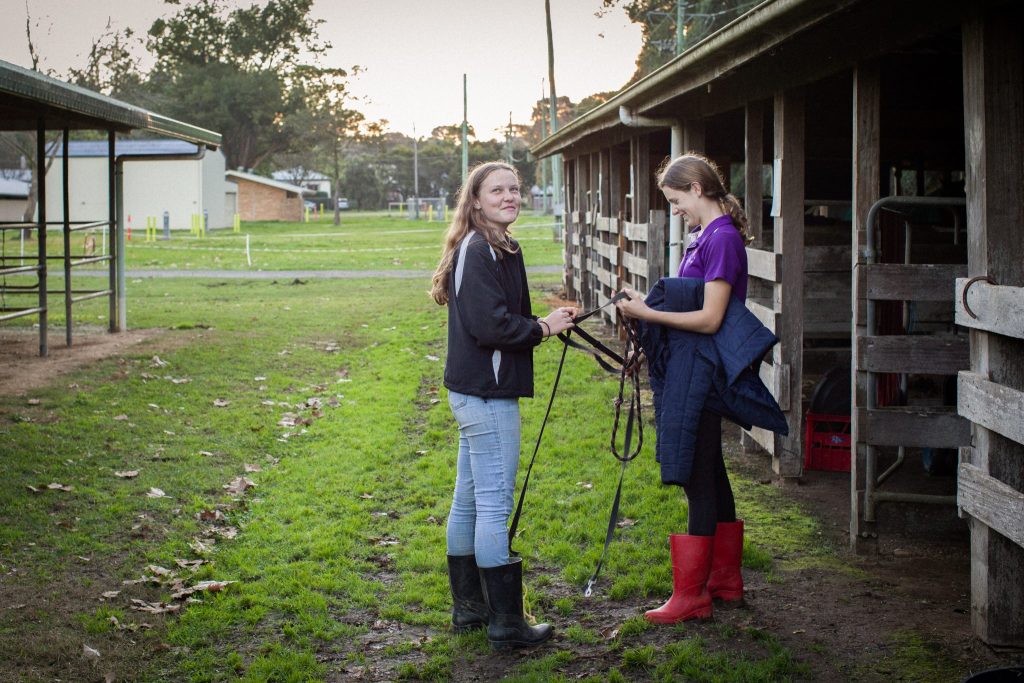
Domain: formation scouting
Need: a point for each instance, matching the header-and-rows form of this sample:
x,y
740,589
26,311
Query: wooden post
x,y
787,355
694,136
866,182
993,67
754,144
657,241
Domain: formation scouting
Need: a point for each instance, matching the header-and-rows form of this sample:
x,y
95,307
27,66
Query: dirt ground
x,y
22,369
840,624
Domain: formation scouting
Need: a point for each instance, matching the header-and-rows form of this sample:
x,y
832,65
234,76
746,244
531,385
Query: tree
x,y
239,72
112,67
658,20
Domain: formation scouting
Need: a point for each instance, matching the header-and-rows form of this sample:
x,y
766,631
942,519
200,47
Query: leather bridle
x,y
628,369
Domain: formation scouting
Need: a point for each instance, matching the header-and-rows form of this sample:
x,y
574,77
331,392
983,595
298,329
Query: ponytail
x,y
732,206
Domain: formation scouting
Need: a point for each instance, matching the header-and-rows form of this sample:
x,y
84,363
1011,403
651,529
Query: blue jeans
x,y
485,477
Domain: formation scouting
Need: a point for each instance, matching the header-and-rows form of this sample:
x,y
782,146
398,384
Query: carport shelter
x,y
30,101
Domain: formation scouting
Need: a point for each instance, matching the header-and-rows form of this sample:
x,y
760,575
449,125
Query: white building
x,y
311,180
171,177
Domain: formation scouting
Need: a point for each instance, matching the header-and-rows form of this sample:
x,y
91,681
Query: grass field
x,y
294,440
363,241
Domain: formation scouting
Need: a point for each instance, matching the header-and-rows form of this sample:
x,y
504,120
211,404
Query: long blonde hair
x,y
467,218
680,173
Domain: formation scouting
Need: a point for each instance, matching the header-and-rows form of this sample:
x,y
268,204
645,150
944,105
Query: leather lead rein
x,y
628,366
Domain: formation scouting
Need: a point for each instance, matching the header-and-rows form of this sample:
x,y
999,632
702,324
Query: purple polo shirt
x,y
718,253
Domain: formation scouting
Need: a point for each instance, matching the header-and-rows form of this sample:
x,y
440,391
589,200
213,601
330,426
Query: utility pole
x,y
556,161
465,133
416,170
508,140
543,162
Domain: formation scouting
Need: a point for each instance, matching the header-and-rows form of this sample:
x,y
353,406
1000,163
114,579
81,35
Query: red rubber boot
x,y
691,564
726,580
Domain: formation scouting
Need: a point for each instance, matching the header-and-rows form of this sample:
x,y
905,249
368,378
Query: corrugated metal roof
x,y
754,33
22,90
263,180
98,148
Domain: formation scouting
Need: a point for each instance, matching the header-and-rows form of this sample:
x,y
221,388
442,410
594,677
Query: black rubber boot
x,y
507,628
469,608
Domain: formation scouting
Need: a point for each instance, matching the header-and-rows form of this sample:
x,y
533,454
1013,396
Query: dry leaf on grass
x,y
122,417
201,546
127,474
110,594
221,403
210,516
54,486
228,532
153,607
252,468
191,565
89,652
202,586
156,493
158,363
239,485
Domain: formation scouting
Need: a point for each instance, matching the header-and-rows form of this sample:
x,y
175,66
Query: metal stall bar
x,y
112,204
66,203
41,215
873,481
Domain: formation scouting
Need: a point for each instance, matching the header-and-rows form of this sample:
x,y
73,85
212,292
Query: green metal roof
x,y
25,95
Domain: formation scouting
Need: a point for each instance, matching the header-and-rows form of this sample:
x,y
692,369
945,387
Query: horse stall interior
x,y
908,349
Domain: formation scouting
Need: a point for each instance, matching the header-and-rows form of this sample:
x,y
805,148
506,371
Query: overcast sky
x,y
414,52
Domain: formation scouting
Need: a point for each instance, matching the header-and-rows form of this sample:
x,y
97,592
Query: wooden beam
x,y
993,71
993,406
915,282
944,354
753,137
657,241
763,264
999,309
834,259
694,136
866,168
789,146
914,426
768,317
991,501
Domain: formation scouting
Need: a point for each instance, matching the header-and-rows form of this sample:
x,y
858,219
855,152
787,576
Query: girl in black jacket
x,y
491,335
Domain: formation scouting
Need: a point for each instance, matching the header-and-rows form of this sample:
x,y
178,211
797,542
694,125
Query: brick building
x,y
266,199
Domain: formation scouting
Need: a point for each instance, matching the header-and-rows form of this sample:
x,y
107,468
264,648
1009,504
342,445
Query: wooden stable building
x,y
877,147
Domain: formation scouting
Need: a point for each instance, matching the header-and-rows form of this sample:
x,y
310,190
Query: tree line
x,y
255,75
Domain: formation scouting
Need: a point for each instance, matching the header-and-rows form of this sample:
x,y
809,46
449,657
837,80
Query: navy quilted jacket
x,y
690,371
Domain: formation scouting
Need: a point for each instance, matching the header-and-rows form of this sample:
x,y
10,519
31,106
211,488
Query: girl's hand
x,y
559,319
634,306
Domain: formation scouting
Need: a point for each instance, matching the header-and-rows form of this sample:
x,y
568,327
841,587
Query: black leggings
x,y
708,492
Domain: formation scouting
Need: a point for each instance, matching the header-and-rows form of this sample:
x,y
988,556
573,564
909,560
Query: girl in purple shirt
x,y
705,560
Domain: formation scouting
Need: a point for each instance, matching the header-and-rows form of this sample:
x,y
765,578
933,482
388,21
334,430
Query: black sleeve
x,y
484,307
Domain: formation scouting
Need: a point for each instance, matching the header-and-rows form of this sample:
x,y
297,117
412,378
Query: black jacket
x,y
491,329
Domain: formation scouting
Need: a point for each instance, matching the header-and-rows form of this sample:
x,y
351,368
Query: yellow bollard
x,y
151,228
430,213
307,214
238,222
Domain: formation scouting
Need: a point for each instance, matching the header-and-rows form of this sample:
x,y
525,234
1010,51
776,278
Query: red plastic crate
x,y
827,442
